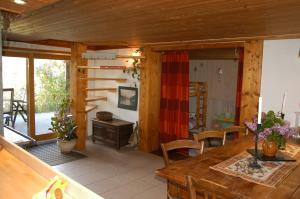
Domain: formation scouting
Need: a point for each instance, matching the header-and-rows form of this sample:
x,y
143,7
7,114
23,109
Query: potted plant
x,y
274,132
64,127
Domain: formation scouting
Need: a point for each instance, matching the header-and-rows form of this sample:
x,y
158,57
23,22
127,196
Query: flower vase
x,y
270,148
282,143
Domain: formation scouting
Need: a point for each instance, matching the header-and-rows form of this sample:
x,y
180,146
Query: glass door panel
x,y
15,93
50,82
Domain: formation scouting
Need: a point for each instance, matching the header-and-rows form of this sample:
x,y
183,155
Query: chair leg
x,y
6,121
12,121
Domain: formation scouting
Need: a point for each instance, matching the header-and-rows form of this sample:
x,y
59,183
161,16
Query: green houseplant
x,y
135,70
64,127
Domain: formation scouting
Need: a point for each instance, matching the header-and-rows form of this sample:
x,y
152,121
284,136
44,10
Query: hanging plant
x,y
135,70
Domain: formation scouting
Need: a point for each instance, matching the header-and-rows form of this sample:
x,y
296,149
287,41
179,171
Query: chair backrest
x,y
178,144
209,189
8,98
242,130
200,137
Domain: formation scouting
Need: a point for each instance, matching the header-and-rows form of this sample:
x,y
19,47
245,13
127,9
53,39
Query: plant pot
x,y
66,146
270,148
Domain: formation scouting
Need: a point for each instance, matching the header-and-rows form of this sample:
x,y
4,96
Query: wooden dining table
x,y
199,168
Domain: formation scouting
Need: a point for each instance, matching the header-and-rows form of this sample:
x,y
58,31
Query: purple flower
x,y
264,134
251,126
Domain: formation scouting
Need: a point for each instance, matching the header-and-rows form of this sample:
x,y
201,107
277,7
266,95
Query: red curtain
x,y
239,87
174,104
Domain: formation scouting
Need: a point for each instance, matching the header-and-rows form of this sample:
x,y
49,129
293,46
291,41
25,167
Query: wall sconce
x,y
219,73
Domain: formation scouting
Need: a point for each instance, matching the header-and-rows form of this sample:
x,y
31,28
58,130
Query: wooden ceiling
x,y
31,5
139,22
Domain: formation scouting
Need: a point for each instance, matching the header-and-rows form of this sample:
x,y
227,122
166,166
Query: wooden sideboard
x,y
115,132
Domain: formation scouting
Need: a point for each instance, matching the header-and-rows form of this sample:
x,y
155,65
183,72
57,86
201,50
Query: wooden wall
x,y
151,81
253,53
1,83
77,92
149,107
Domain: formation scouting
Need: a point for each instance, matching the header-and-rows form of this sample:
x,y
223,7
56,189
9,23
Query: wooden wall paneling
x,y
1,79
149,105
9,5
253,53
77,92
151,22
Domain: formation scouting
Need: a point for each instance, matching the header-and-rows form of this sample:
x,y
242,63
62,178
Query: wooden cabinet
x,y
115,132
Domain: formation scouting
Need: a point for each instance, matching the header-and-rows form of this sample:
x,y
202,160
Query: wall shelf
x,y
102,89
104,79
102,68
89,108
99,98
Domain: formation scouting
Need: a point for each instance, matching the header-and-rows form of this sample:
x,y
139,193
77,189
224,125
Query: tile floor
x,y
124,174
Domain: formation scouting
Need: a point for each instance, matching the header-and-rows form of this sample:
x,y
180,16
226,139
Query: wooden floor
x,y
17,180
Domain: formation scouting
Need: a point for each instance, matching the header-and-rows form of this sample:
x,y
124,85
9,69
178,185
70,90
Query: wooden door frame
x,y
30,85
149,106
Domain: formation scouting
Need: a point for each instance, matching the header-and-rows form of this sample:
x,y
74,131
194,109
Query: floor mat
x,y
50,153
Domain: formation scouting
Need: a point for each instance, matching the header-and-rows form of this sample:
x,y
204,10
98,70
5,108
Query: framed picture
x,y
128,98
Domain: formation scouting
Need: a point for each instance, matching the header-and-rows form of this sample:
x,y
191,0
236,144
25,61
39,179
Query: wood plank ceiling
x,y
31,5
138,22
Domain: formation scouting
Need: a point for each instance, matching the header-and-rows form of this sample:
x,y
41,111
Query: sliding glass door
x,y
33,89
50,87
15,93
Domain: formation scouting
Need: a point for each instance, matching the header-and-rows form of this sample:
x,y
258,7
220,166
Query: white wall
x,y
221,91
280,73
111,104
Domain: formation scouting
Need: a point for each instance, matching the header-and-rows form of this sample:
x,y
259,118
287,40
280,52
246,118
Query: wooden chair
x,y
8,98
210,190
202,136
178,144
240,129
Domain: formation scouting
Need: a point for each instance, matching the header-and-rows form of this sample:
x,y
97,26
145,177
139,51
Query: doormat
x,y
50,153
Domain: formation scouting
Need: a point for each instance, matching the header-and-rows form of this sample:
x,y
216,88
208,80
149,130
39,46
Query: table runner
x,y
269,175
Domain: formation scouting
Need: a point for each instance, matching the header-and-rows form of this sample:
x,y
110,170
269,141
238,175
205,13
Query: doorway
x,y
219,71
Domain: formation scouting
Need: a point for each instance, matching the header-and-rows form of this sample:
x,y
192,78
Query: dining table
x,y
200,167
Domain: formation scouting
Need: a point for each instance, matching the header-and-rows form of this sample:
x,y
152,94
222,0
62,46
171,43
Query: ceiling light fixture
x,y
20,2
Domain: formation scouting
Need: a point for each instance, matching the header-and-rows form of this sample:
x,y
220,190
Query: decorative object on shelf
x,y
104,115
128,98
273,129
135,70
64,127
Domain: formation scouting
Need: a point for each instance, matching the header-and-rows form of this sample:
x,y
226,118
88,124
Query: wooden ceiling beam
x,y
195,46
37,51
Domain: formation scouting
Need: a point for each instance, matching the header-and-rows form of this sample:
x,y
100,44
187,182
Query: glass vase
x,y
282,143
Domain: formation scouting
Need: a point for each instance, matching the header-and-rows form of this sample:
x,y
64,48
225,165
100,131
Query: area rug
x,y
50,153
269,175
